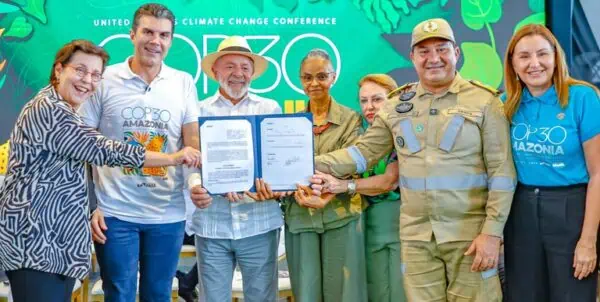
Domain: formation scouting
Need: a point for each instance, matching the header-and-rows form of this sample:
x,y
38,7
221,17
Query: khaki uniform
x,y
325,247
457,180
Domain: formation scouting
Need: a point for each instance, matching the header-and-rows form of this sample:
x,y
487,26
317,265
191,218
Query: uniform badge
x,y
404,107
560,116
430,27
419,128
407,96
400,141
433,111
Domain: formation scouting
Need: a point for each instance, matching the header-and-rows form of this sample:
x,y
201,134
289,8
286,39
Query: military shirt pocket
x,y
405,139
461,130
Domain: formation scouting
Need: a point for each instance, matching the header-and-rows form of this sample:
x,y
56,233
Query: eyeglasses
x,y
82,72
321,77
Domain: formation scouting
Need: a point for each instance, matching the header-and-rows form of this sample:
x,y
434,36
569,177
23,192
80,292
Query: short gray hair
x,y
317,53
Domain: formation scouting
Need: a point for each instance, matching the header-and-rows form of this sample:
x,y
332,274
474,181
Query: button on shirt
x,y
548,140
246,218
456,175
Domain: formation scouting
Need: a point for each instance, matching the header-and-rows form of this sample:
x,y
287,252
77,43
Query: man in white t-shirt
x,y
141,212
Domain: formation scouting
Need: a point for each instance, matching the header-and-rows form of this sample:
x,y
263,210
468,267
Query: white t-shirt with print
x,y
127,108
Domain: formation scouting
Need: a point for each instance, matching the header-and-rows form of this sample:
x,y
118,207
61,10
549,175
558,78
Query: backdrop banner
x,y
362,36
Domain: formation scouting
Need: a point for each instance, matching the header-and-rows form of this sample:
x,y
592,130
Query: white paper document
x,y
227,155
286,152
237,150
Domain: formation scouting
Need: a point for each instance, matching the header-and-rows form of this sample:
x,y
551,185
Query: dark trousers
x,y
29,285
540,237
190,280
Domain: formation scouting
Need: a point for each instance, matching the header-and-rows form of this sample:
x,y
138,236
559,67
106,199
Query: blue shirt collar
x,y
549,97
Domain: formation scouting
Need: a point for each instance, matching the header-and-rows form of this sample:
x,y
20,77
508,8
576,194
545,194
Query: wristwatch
x,y
351,187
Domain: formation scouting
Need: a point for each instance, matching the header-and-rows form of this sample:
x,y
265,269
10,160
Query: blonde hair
x,y
561,78
380,79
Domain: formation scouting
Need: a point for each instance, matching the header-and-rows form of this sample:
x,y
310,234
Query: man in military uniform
x,y
457,176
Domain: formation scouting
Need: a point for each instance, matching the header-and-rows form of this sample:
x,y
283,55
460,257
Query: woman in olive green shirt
x,y
380,188
324,240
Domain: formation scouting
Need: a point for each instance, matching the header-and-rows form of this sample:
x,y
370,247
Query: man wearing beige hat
x,y
456,172
234,230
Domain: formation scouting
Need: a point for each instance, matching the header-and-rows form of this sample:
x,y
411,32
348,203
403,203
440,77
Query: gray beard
x,y
236,94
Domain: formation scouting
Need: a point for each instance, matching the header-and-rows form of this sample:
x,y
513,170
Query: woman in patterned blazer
x,y
44,228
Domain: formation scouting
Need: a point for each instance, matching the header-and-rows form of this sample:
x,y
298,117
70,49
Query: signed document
x,y
238,149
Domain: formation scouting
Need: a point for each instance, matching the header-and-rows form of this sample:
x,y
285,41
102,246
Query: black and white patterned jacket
x,y
43,205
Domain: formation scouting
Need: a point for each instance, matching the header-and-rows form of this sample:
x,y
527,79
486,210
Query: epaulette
x,y
489,88
401,89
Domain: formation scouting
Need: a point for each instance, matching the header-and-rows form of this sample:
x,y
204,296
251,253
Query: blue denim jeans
x,y
155,247
256,257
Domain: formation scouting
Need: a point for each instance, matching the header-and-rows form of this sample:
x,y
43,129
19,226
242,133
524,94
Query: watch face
x,y
351,186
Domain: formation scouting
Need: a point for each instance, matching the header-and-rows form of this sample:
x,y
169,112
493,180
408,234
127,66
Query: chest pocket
x,y
411,141
406,141
463,124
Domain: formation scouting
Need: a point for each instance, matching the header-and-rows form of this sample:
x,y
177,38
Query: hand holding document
x,y
238,149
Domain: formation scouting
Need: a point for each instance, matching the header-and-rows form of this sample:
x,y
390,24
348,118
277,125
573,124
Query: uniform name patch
x,y
465,112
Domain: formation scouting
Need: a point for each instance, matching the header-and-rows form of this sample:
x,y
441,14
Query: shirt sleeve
x,y
368,150
91,110
497,155
354,129
589,107
56,130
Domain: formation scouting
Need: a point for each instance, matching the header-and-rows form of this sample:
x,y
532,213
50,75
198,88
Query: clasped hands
x,y
307,196
186,156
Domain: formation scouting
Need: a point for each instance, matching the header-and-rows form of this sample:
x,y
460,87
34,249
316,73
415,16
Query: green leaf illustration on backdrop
x,y
477,14
17,2
386,12
7,8
537,6
2,81
539,18
260,4
289,5
19,28
481,63
35,8
443,3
